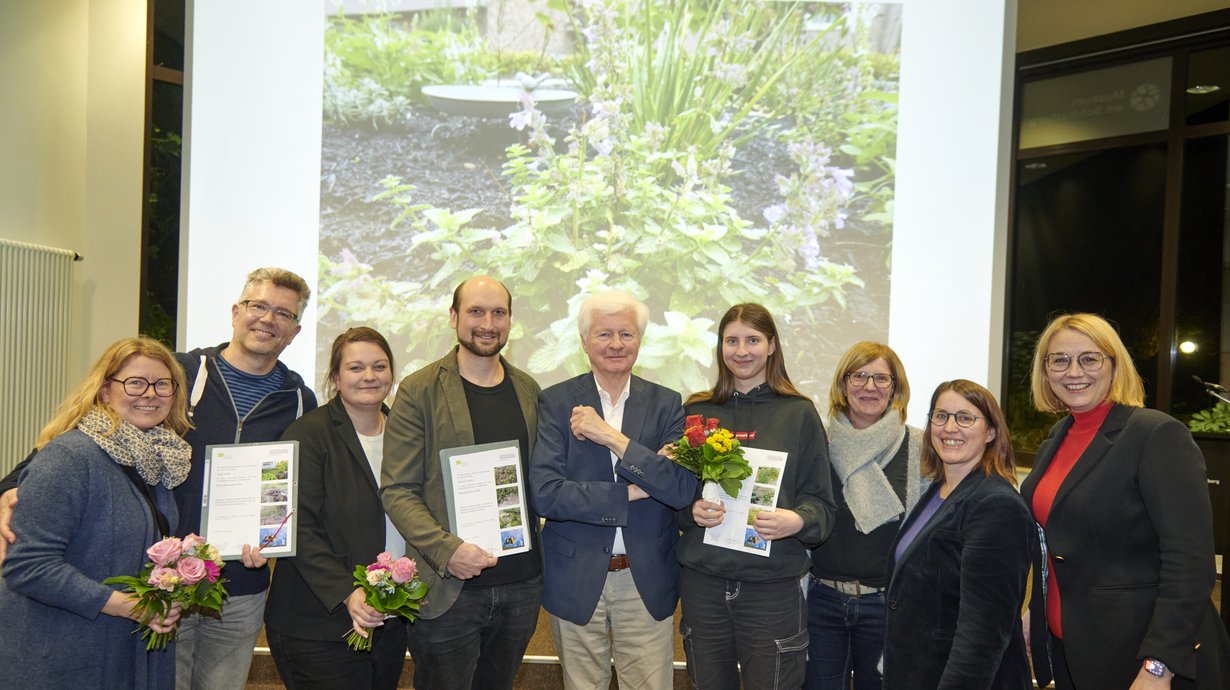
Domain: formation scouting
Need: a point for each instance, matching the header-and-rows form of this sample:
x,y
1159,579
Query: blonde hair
x,y
84,397
860,355
1126,388
997,458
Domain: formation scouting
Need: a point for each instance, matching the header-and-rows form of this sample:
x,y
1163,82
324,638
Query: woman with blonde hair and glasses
x,y
1121,493
96,496
876,481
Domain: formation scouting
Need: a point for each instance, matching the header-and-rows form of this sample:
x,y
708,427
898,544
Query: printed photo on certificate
x,y
250,496
758,492
486,498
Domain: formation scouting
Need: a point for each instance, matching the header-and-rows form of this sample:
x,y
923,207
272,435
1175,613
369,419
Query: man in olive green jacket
x,y
480,611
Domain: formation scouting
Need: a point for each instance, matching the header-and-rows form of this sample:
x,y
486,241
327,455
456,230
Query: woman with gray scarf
x,y
876,480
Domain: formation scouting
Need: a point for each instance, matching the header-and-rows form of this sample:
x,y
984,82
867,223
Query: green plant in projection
x,y
1212,420
697,73
377,65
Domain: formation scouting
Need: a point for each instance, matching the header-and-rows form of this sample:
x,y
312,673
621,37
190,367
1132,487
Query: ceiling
x,y
1042,23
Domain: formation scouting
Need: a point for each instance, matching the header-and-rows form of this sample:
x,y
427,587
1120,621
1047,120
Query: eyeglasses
x,y
859,378
963,419
1088,361
260,309
136,386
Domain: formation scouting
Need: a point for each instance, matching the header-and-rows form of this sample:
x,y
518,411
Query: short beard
x,y
479,350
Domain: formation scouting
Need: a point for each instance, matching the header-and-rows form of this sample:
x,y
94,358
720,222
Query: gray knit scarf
x,y
859,457
159,454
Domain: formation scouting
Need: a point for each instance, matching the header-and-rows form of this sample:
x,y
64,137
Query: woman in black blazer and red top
x,y
313,601
1121,493
960,562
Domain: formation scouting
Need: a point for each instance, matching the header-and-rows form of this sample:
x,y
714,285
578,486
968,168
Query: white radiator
x,y
35,305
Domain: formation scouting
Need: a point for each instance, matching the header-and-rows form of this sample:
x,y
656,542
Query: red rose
x,y
711,424
693,420
695,436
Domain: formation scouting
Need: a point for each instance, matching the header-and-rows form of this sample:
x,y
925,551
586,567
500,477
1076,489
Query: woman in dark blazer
x,y
1121,492
960,562
313,602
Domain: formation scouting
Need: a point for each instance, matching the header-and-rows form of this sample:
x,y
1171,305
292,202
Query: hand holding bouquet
x,y
392,587
181,571
713,454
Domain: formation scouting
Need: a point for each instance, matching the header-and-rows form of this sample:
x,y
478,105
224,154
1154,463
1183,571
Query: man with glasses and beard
x,y
480,611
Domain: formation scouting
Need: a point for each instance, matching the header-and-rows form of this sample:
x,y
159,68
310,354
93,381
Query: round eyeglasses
x,y
136,386
859,378
963,419
1087,361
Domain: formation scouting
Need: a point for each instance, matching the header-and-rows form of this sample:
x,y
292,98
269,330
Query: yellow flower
x,y
721,441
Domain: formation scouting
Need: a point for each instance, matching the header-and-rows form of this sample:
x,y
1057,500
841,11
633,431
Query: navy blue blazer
x,y
954,598
573,487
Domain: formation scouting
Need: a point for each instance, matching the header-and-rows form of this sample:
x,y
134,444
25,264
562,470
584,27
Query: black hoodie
x,y
764,419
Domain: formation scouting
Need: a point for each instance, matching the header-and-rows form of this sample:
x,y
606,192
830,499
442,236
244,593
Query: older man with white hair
x,y
611,577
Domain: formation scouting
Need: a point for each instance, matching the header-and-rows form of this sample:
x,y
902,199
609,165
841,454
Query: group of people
x,y
924,566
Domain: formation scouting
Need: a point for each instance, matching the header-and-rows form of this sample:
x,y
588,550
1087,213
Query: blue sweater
x,y
81,521
217,422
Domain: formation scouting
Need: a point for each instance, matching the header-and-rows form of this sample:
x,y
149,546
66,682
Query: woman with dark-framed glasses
x,y
1121,493
959,565
96,496
876,480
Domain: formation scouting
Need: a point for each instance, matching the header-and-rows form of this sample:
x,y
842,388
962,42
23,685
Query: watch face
x,y
1155,667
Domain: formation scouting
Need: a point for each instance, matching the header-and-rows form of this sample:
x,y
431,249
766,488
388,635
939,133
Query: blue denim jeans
x,y
215,653
847,637
479,642
761,625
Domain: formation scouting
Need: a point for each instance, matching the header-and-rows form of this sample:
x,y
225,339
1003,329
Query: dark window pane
x,y
1207,97
1088,238
1201,304
169,33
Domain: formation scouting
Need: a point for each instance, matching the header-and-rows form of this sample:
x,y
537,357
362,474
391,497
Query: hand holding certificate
x,y
249,498
758,494
485,494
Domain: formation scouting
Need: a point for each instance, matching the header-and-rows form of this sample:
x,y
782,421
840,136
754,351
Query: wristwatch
x,y
1155,668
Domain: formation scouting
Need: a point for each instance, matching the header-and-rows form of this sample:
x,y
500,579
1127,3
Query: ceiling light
x,y
1202,89
1187,347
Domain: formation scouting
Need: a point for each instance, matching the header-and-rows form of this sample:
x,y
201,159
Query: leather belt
x,y
853,588
618,563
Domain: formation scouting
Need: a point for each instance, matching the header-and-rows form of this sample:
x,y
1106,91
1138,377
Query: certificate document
x,y
250,494
485,493
758,492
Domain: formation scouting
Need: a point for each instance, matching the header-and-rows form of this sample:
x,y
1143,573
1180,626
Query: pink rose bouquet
x,y
713,454
392,587
180,570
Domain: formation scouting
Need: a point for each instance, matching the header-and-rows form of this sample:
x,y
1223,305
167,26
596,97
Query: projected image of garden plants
x,y
696,154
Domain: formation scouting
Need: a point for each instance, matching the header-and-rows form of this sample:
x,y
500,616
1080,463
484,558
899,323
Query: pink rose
x,y
385,558
163,578
191,569
191,542
165,552
212,571
404,570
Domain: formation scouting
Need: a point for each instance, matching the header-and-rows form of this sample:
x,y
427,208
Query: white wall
x,y
72,75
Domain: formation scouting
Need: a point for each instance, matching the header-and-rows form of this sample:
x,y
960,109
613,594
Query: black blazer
x,y
341,525
1130,535
954,599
